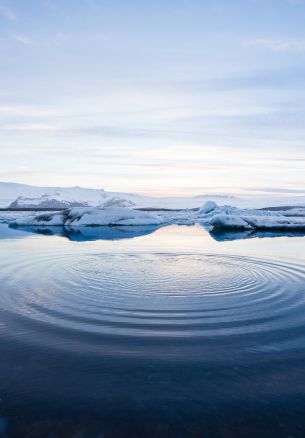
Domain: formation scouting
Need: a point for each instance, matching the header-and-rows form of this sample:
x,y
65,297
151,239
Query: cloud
x,y
7,12
22,39
276,190
98,130
26,111
292,45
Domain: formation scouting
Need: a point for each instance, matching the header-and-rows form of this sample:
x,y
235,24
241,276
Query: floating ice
x,y
258,222
89,216
207,207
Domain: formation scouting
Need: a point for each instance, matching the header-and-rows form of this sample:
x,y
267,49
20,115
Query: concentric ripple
x,y
154,295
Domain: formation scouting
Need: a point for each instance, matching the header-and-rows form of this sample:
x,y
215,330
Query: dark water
x,y
168,332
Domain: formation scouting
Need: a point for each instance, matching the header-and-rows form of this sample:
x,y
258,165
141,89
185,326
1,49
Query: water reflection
x,y
81,234
163,336
223,236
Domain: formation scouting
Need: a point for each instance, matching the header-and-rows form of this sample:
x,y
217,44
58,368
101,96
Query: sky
x,y
163,97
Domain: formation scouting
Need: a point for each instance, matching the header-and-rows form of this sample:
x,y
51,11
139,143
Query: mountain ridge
x,y
17,195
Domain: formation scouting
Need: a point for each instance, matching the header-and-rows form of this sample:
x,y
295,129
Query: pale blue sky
x,y
158,97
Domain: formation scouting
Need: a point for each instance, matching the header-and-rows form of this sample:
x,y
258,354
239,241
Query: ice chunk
x,y
253,222
90,216
207,207
229,221
39,219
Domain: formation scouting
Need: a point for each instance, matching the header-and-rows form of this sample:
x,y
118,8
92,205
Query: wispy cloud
x,y
276,190
26,111
98,130
7,12
22,39
292,45
209,100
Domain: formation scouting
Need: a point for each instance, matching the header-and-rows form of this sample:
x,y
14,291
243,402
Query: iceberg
x,y
229,221
258,222
207,208
233,218
210,214
90,216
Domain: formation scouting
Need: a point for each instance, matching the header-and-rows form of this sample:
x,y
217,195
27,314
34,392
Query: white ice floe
x,y
228,217
218,217
41,219
207,207
90,216
210,209
229,221
258,220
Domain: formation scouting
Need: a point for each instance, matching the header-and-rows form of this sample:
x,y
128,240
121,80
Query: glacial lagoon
x,y
168,331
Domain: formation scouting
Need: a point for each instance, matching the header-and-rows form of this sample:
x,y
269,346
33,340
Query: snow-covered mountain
x,y
9,192
44,201
51,201
26,196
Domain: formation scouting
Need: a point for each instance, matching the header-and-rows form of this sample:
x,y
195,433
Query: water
x,y
138,331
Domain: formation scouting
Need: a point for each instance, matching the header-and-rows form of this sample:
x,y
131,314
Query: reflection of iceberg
x,y
11,233
108,233
81,234
223,235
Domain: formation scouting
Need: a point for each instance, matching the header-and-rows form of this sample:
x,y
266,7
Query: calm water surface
x,y
138,331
